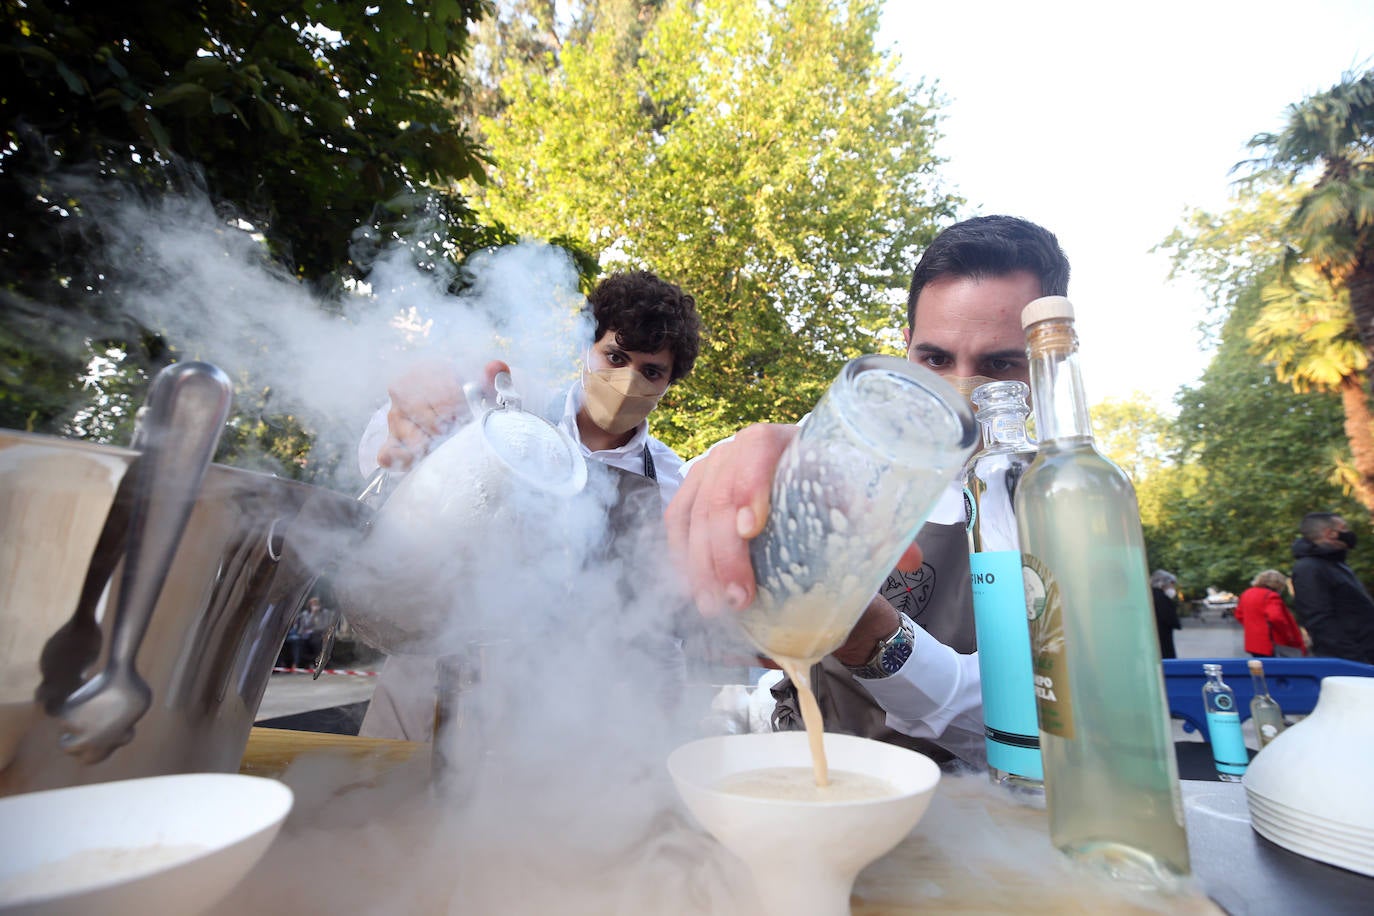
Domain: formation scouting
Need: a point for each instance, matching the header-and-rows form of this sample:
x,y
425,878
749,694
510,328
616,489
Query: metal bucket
x,y
251,550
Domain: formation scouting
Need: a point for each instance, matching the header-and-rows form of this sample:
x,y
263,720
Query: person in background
x,y
1269,626
306,635
1332,604
1164,588
964,323
647,336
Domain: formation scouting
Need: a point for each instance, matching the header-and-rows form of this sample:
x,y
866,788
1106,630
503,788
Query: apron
x,y
938,597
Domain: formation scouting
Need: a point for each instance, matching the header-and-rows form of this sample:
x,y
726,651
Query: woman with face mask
x,y
1164,588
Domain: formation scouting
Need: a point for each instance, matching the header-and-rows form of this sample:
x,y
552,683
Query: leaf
x,y
75,83
180,92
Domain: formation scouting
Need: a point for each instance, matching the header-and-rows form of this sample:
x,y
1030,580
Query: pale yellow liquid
x,y
797,784
1112,786
799,670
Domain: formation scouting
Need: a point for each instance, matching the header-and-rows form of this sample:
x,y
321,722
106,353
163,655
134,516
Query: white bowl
x,y
804,856
1320,766
1308,789
164,844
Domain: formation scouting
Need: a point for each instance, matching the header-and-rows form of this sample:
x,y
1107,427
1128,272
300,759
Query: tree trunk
x,y
1360,284
1359,431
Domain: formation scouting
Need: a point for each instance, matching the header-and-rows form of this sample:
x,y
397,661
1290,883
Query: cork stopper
x,y
1045,308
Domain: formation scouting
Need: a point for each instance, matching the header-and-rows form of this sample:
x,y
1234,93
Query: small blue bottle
x,y
1223,723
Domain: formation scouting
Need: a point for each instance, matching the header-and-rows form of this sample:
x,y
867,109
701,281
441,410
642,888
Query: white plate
x,y
1332,854
164,844
1302,833
1333,829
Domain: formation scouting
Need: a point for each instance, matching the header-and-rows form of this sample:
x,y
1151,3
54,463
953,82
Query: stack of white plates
x,y
1315,837
1308,790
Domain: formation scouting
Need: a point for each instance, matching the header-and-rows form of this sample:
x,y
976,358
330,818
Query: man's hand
x,y
721,506
879,621
427,403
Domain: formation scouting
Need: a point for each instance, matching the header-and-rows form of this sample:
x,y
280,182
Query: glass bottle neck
x,y
1061,406
1004,428
1257,681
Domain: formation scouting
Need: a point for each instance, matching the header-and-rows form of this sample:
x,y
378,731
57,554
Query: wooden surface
x,y
977,852
973,852
271,751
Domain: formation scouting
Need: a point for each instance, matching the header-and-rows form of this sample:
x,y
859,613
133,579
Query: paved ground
x,y
288,694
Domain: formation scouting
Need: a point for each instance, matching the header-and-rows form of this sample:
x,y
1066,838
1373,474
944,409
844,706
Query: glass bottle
x,y
1111,778
1264,709
1011,729
1223,726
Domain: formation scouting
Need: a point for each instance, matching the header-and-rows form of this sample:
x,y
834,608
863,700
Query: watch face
x,y
896,656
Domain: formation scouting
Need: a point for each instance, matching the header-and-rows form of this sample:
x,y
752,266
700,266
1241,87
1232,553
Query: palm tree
x,y
1305,331
1332,134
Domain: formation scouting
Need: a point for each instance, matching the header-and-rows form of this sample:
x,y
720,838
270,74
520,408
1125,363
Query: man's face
x,y
656,368
966,327
1333,534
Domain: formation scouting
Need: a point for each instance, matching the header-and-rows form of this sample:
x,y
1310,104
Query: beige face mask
x,y
619,399
965,384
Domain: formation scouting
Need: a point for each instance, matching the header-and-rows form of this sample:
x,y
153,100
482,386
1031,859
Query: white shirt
x,y
668,467
938,695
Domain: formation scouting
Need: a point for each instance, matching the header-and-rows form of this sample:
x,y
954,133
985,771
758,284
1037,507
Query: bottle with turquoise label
x,y
1011,729
1223,725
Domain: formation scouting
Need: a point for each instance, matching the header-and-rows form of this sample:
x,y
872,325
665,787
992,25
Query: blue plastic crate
x,y
1294,683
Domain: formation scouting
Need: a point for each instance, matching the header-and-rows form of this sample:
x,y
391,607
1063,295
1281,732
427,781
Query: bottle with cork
x,y
1106,741
1264,709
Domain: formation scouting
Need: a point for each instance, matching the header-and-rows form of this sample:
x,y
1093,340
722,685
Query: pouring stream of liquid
x,y
799,671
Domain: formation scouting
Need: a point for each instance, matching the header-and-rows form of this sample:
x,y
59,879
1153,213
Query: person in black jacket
x,y
1330,601
1164,586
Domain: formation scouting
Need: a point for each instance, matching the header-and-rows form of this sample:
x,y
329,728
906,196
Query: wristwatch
x,y
891,653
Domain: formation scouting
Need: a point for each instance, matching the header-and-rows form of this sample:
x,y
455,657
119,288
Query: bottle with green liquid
x,y
1106,742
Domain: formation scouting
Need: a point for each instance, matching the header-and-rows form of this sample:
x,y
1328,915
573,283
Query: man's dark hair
x,y
647,314
991,246
1315,524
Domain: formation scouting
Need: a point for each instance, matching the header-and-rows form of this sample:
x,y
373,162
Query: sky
x,y
1105,123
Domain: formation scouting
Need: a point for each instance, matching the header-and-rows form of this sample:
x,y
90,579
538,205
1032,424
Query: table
x,y
973,852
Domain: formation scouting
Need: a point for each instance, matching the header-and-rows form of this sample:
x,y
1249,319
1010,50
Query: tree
x,y
1332,133
1305,331
764,156
323,125
1253,455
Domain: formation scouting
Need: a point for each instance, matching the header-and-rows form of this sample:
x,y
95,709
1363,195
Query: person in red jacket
x,y
1267,621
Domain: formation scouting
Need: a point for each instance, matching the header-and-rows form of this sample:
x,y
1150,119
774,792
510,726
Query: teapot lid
x,y
539,453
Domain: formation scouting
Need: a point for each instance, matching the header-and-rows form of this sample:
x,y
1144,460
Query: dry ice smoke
x,y
562,624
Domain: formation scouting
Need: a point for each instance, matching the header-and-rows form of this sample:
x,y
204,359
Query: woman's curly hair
x,y
647,314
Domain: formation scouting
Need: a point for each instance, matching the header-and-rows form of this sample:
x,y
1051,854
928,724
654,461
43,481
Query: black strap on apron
x,y
649,465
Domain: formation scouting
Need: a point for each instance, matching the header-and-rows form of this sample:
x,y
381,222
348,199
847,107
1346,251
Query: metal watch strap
x,y
891,653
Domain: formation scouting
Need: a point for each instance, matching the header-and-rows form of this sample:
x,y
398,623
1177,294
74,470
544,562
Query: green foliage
x,y
1252,455
1331,135
311,121
763,156
1307,332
